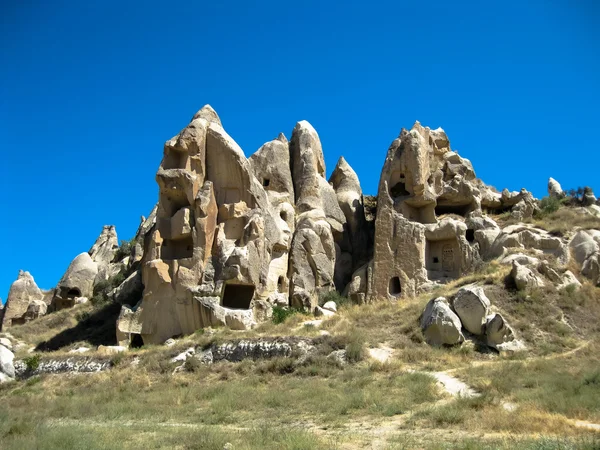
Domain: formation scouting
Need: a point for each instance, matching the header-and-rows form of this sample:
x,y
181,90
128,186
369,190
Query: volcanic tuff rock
x,y
23,292
232,237
235,236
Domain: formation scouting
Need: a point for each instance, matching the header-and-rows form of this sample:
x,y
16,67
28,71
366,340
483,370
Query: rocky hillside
x,y
254,268
232,237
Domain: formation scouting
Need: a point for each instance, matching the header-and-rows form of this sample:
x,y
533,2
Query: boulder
x,y
569,279
583,245
6,343
109,350
322,312
497,331
591,269
129,291
330,305
215,315
554,188
440,325
521,258
525,278
22,292
356,290
6,362
472,307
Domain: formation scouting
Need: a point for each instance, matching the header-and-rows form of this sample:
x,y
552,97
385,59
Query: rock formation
x,y
24,301
232,237
236,236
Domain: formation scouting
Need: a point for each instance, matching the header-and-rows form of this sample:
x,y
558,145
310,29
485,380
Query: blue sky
x,y
89,92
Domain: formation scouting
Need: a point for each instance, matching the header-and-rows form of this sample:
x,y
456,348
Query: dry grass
x,y
226,402
558,223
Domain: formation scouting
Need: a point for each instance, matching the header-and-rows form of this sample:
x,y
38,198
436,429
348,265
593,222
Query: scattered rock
x,y
322,312
183,356
472,307
80,350
331,306
497,331
6,343
440,325
110,349
339,356
525,278
6,362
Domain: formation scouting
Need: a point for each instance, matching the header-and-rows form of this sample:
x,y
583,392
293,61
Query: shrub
x,y
101,286
281,314
82,316
192,364
124,249
99,300
548,205
32,362
117,359
355,349
333,296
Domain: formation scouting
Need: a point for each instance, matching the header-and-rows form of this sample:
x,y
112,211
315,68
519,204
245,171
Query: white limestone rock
x,y
440,325
472,307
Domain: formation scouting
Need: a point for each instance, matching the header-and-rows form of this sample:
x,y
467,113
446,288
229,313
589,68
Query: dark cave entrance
x,y
238,296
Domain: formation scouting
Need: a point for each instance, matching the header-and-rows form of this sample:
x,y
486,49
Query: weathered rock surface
x,y
525,278
472,307
497,330
75,364
105,248
22,293
78,281
585,246
231,237
6,362
440,325
554,188
526,237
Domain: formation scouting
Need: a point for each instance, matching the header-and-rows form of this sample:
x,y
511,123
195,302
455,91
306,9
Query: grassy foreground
x,y
531,400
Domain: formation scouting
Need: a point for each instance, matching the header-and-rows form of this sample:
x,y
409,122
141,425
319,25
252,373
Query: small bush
x,y
333,296
82,316
32,362
99,300
101,286
278,365
124,250
548,205
281,314
192,364
117,359
355,349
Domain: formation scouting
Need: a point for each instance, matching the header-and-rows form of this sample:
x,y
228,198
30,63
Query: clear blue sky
x,y
89,92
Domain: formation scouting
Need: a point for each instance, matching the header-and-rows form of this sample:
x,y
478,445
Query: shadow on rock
x,y
99,328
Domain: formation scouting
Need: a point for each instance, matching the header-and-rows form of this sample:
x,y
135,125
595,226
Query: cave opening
x,y
238,296
470,235
136,341
459,210
395,288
